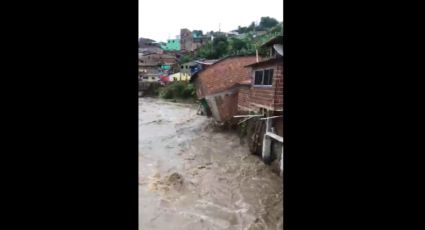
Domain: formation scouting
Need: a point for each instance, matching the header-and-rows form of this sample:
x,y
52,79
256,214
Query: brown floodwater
x,y
194,177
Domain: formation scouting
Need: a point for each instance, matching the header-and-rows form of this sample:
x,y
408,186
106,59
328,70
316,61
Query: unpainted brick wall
x,y
227,106
279,87
225,74
268,97
243,99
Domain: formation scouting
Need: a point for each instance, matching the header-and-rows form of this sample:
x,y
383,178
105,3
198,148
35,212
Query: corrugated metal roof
x,y
207,62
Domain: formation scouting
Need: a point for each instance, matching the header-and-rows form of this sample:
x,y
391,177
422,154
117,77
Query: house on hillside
x,y
147,46
186,39
199,65
146,42
153,66
149,72
171,45
217,83
264,96
151,50
266,91
191,40
185,68
179,77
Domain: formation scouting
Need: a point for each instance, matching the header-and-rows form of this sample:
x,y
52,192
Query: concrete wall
x,y
179,77
185,67
278,125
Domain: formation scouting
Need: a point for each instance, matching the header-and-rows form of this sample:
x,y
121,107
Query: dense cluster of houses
x,y
158,62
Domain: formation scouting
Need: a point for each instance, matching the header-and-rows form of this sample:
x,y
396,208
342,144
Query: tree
x,y
242,29
185,59
237,44
220,46
268,22
251,27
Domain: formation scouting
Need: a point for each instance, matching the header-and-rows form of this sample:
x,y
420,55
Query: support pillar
x,y
266,153
281,163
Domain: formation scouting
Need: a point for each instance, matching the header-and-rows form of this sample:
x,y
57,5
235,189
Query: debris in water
x,y
175,178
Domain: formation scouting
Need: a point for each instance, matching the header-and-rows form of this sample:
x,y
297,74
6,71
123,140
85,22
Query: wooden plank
x,y
275,136
267,118
248,116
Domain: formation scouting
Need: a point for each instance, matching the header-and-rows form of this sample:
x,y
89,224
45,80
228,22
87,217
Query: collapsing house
x,y
251,89
217,84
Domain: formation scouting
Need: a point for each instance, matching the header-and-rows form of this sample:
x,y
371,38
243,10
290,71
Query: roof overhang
x,y
269,61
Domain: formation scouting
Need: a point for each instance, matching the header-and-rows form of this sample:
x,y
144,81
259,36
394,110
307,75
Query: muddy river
x,y
192,177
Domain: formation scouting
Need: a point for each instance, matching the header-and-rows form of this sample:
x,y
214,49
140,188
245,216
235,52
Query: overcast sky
x,y
163,19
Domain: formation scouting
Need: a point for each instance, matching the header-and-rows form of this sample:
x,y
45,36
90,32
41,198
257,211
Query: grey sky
x,y
163,19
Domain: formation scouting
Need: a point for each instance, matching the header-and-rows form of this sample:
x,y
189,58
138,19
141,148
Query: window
x,y
145,77
263,77
258,77
181,67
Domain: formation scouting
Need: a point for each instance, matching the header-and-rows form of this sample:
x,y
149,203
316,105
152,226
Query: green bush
x,y
166,94
178,89
189,91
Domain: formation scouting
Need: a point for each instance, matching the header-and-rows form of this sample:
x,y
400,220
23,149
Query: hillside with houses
x,y
211,141
234,76
173,60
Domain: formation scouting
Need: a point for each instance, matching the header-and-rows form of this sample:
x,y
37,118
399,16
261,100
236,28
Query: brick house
x,y
266,91
191,40
264,96
155,67
218,84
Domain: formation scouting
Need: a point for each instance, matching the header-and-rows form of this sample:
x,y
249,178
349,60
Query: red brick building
x,y
264,96
266,91
217,84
